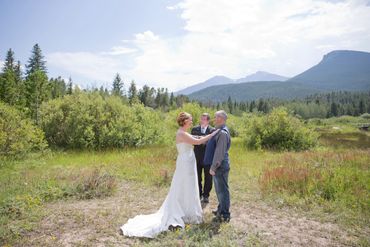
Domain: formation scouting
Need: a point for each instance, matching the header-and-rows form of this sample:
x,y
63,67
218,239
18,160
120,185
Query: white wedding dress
x,y
182,204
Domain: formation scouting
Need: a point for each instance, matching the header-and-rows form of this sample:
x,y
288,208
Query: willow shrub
x,y
18,134
278,130
87,120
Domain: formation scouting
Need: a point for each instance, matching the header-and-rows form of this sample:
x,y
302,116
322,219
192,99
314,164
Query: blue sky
x,y
178,43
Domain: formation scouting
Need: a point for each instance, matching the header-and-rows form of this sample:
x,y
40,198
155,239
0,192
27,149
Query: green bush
x,y
365,116
87,120
278,131
18,135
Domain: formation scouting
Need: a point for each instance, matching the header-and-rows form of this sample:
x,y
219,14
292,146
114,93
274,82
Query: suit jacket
x,y
199,150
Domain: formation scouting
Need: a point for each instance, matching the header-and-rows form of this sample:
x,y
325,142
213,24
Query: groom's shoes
x,y
221,219
205,200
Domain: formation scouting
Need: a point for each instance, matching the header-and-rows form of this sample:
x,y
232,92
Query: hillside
x,y
262,76
338,71
216,80
221,80
253,90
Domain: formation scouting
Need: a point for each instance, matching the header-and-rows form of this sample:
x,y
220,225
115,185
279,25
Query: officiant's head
x,y
220,118
204,119
184,120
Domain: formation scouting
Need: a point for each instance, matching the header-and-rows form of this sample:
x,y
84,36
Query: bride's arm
x,y
195,141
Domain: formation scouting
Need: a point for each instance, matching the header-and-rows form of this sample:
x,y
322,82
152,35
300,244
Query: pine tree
x,y
133,94
36,62
117,85
252,106
230,104
9,85
361,107
37,90
172,99
69,86
333,109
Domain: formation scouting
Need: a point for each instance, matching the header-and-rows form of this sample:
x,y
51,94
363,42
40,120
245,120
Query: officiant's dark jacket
x,y
199,150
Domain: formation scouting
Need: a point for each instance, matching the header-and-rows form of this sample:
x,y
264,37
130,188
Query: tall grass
x,y
332,179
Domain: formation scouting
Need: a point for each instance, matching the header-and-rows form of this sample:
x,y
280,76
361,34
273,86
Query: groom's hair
x,y
221,113
206,114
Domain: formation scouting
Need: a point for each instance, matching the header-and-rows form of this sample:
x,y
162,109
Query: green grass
x,y
340,193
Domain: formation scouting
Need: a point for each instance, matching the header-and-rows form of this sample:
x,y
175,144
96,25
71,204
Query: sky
x,y
178,43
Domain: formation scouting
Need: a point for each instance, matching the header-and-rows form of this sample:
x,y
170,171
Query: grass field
x,y
81,198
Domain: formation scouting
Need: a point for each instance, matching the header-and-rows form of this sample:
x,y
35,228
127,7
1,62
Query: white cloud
x,y
233,38
119,50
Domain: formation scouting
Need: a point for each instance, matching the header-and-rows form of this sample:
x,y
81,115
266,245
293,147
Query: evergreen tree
x,y
252,106
133,94
361,107
117,86
172,99
69,86
333,109
36,62
9,81
36,91
230,104
8,87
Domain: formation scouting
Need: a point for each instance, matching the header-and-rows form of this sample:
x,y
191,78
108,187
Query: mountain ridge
x,y
339,70
221,80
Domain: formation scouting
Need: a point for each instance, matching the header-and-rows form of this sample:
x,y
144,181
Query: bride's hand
x,y
215,132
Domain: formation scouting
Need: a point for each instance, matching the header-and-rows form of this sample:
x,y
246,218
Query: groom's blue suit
x,y
222,172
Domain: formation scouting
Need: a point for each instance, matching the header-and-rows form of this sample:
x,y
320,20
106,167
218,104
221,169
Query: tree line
x,y
320,105
26,90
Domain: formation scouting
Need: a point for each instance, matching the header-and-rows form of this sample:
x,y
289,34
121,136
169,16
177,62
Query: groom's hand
x,y
212,172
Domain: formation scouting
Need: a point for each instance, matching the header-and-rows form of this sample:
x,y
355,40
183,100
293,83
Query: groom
x,y
217,154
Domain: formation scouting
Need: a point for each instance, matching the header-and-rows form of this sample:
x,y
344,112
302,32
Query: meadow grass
x,y
330,182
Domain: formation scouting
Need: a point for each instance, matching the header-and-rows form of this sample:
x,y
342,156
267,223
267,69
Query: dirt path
x,y
96,222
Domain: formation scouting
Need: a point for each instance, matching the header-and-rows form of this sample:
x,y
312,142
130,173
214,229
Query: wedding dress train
x,y
182,204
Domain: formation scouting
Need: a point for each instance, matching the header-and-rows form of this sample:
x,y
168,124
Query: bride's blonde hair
x,y
182,117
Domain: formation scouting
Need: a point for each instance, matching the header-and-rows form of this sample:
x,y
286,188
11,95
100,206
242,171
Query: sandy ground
x,y
96,222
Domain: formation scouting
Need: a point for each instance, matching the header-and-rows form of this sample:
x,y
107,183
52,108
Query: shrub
x,y
279,131
94,184
365,116
87,120
18,135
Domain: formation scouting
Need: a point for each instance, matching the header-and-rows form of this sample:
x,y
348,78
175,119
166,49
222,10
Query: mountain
x,y
253,90
337,71
216,80
220,80
262,76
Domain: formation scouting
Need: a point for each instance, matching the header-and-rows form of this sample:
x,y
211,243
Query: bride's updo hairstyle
x,y
182,117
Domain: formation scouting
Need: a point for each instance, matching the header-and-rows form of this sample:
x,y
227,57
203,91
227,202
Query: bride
x,y
182,204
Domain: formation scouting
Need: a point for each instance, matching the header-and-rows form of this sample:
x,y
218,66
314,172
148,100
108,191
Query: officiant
x,y
203,129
